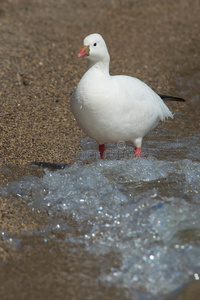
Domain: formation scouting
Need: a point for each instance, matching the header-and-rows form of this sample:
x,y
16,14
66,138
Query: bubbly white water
x,y
147,211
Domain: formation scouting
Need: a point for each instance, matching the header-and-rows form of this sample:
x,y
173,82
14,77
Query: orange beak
x,y
85,51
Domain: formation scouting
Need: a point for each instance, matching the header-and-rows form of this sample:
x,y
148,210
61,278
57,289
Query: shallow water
x,y
144,210
144,213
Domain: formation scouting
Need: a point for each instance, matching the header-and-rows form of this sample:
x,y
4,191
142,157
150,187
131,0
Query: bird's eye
x,y
95,44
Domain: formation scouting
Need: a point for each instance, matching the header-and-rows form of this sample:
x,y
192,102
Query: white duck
x,y
114,108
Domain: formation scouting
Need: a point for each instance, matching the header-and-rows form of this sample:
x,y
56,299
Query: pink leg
x,y
102,149
137,152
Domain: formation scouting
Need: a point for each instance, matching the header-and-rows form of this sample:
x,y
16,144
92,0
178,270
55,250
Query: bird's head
x,y
94,48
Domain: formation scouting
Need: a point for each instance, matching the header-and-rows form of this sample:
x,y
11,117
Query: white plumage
x,y
113,108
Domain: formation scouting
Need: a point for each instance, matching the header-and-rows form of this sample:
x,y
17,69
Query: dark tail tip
x,y
171,98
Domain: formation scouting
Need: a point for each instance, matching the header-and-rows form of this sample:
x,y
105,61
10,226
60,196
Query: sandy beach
x,y
155,41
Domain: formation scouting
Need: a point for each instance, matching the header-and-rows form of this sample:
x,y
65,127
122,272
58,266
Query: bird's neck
x,y
102,65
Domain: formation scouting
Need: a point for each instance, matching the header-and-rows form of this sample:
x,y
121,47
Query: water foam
x,y
144,210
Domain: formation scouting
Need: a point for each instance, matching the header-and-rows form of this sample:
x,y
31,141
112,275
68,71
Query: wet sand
x,y
156,41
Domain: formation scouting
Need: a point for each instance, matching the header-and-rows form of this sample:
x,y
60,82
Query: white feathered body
x,y
116,108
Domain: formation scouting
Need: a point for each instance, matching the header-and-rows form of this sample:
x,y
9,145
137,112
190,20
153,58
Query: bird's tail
x,y
171,98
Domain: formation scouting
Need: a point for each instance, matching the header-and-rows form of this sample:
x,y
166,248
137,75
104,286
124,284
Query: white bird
x,y
114,108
